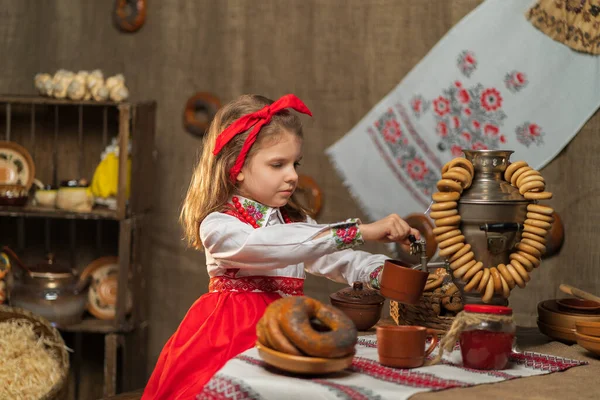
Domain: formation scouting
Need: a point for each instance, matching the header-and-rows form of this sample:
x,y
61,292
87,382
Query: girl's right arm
x,y
238,245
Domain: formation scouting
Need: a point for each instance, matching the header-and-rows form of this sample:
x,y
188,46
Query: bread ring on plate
x,y
295,323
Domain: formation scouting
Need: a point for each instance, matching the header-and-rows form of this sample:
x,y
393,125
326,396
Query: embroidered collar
x,y
260,212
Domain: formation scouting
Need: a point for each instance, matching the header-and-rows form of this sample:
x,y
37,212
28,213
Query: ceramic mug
x,y
404,346
401,283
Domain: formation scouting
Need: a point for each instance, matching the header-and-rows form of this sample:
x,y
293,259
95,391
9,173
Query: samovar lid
x,y
489,186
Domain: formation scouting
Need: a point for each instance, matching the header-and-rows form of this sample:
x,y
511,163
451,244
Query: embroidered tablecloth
x,y
493,81
248,377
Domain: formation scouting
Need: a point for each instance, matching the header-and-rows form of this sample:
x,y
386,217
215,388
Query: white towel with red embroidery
x,y
492,82
248,377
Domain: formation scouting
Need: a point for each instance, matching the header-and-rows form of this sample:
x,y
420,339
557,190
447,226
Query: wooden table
x,y
581,382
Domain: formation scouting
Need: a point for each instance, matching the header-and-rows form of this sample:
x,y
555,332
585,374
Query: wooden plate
x,y
589,343
16,165
557,332
102,295
588,328
571,304
303,365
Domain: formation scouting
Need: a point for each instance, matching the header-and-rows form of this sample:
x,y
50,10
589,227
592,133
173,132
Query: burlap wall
x,y
339,56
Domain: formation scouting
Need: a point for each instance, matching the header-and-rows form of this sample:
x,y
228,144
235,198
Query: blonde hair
x,y
211,187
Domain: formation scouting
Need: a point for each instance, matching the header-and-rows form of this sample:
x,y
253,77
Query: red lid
x,y
480,308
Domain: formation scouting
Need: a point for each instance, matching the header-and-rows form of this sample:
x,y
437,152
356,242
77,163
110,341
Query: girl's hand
x,y
389,229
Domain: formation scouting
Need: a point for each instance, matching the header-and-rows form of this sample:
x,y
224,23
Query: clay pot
x,y
404,346
402,283
362,306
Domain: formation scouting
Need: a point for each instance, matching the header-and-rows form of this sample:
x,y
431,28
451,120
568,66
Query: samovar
x,y
492,214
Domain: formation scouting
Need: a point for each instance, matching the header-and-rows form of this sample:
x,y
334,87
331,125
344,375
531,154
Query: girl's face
x,y
270,176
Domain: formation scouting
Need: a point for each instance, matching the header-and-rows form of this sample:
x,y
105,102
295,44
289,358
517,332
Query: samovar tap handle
x,y
419,247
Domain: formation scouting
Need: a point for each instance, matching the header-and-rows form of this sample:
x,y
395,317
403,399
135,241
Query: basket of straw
x,y
34,359
436,309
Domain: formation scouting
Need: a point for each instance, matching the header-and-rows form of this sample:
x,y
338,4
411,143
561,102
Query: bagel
x,y
448,221
443,229
497,282
530,178
474,282
510,170
538,195
452,301
206,103
524,175
457,176
538,208
461,162
275,337
451,249
443,214
539,217
505,287
446,205
533,236
462,270
461,252
519,172
535,186
510,281
445,196
447,235
472,271
465,174
339,341
434,281
448,185
451,241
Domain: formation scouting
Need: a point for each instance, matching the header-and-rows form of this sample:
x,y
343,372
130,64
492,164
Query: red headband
x,y
257,119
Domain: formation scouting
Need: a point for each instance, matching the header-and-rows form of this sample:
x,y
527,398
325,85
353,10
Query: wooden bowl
x,y
556,332
590,343
588,328
571,304
303,365
550,313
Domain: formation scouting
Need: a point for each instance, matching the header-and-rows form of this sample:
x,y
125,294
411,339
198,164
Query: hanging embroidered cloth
x,y
492,82
575,23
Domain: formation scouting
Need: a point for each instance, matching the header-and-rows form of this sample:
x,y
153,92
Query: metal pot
x,y
492,214
50,290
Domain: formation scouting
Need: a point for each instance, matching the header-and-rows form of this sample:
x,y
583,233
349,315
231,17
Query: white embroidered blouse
x,y
286,250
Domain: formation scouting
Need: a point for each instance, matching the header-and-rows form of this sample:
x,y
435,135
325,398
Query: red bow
x,y
257,119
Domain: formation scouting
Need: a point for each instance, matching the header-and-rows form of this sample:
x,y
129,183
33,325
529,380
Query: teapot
x,y
50,290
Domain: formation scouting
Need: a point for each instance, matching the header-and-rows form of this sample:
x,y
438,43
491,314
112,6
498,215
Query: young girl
x,y
258,241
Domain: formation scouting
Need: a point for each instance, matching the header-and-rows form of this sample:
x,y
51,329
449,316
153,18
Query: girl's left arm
x,y
348,266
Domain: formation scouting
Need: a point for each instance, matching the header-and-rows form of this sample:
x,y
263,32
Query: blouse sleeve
x,y
348,266
238,245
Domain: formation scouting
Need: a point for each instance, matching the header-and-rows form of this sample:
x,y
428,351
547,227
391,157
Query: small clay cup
x,y
404,346
401,283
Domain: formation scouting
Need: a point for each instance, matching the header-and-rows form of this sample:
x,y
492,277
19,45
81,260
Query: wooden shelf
x,y
46,212
32,99
94,325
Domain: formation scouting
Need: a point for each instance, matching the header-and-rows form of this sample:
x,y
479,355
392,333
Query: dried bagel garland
x,y
457,175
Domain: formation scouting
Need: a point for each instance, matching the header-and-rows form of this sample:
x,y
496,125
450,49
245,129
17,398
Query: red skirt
x,y
220,325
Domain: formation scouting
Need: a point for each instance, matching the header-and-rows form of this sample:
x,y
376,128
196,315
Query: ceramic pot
x,y
401,283
362,306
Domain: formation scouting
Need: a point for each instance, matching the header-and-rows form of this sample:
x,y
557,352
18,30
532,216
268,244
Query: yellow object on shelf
x,y
105,182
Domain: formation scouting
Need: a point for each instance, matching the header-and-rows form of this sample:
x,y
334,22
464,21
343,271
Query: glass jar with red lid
x,y
487,340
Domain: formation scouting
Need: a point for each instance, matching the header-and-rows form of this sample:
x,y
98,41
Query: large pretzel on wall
x,y
457,175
